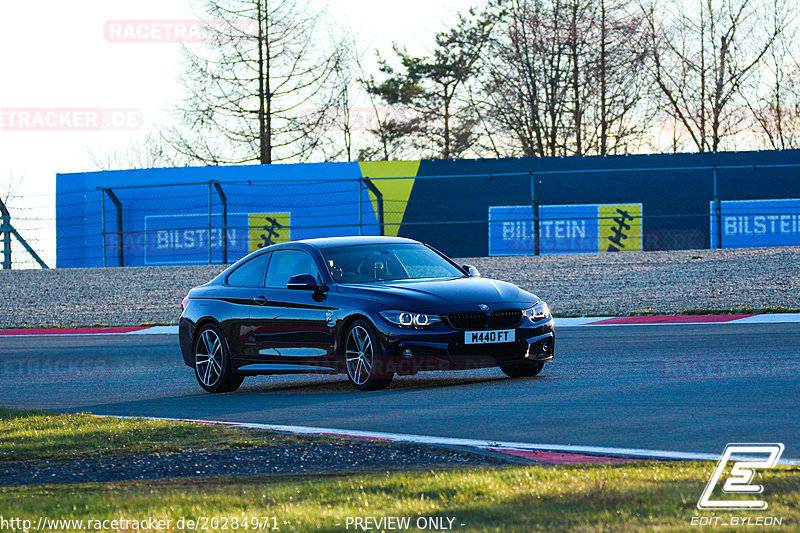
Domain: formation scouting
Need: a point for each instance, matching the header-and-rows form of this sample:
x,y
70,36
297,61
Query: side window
x,y
288,263
250,273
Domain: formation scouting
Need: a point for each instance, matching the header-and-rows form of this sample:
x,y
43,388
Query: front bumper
x,y
440,347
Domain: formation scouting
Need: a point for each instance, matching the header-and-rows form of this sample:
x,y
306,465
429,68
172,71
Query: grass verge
x,y
39,435
626,497
644,496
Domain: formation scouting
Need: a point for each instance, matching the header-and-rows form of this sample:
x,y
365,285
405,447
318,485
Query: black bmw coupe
x,y
370,307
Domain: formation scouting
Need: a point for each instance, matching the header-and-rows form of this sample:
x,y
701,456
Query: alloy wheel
x,y
208,358
359,355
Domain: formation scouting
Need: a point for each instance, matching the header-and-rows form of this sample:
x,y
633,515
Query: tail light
x,y
184,303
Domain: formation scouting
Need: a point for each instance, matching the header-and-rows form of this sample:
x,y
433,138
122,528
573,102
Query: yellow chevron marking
x,y
395,191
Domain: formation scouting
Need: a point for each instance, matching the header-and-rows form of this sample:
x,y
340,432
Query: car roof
x,y
333,242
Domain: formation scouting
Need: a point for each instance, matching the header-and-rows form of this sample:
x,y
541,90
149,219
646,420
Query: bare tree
x,y
700,57
620,97
565,77
580,24
9,187
527,79
344,79
772,94
336,136
257,89
151,151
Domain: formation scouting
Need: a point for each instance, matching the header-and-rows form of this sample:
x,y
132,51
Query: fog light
x,y
545,346
408,354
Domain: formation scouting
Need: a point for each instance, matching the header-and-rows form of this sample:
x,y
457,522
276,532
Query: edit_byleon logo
x,y
745,459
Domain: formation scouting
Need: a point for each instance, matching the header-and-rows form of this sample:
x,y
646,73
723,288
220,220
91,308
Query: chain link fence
x,y
578,210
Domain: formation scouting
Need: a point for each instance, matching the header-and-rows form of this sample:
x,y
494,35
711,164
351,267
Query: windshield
x,y
371,263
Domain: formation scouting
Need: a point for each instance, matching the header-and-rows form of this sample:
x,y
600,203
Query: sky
x,y
72,87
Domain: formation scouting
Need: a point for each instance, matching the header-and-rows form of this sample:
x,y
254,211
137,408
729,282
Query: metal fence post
x,y
103,225
208,235
360,214
717,209
120,235
224,200
5,230
379,201
535,209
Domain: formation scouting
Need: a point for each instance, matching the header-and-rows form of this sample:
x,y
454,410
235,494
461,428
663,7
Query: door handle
x,y
260,300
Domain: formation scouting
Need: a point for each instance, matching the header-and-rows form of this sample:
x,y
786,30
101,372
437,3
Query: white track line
x,y
561,323
471,443
578,321
74,334
157,330
776,318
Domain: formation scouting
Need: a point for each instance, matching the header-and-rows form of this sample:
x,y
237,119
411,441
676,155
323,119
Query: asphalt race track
x,y
668,387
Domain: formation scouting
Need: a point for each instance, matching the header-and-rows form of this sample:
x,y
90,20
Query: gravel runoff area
x,y
575,285
314,458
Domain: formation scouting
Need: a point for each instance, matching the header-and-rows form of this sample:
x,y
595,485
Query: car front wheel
x,y
523,369
365,367
212,362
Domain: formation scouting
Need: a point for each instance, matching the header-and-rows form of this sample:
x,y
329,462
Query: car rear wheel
x,y
212,362
523,369
365,367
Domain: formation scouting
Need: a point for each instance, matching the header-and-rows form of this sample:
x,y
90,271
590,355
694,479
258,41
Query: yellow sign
x,y
396,192
620,227
269,228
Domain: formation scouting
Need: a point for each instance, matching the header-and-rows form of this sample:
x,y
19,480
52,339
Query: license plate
x,y
489,337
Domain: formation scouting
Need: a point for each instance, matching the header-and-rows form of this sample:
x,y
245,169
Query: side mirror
x,y
472,271
303,282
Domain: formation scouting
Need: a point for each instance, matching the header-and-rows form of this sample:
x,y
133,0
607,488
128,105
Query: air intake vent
x,y
467,320
472,320
505,319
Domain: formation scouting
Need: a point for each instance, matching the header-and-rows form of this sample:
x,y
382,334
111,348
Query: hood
x,y
441,294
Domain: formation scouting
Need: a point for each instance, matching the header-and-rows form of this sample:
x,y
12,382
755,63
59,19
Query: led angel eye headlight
x,y
407,319
538,311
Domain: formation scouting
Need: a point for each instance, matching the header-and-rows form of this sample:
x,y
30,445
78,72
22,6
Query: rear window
x,y
250,273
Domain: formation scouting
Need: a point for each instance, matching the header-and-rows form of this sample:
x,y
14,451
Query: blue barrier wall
x,y
462,207
674,191
165,212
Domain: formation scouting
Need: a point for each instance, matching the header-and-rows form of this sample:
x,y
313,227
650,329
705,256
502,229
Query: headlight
x,y
538,311
404,318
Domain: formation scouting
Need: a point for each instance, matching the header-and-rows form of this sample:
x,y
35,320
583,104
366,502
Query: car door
x,y
291,326
239,293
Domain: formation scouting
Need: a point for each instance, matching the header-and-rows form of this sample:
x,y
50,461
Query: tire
x,y
212,366
360,347
523,369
